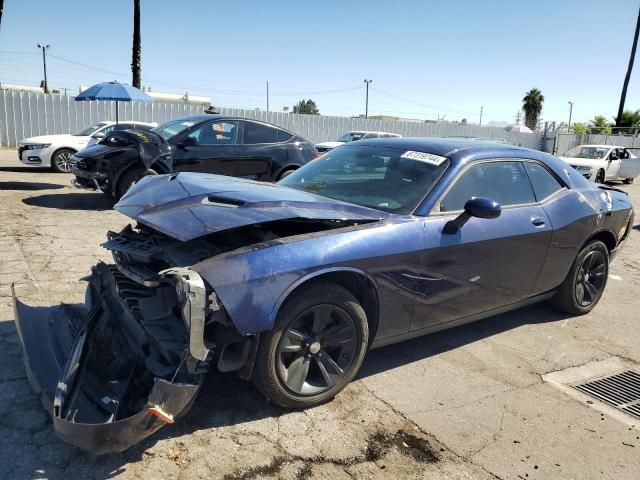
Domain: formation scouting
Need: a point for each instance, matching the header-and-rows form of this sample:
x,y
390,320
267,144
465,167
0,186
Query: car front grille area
x,y
621,391
85,163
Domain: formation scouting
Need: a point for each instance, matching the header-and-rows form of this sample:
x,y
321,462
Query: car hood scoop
x,y
186,206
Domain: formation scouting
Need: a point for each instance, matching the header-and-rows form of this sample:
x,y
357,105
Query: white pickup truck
x,y
601,163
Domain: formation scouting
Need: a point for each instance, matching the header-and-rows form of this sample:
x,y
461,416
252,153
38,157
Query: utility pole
x,y
480,123
570,112
632,57
366,105
518,113
267,97
44,64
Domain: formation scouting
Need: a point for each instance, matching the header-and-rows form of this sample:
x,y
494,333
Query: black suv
x,y
237,147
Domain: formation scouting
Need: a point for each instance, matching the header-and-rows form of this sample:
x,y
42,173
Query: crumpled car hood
x,y
186,206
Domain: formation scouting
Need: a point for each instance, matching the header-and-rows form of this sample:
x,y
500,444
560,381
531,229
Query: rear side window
x,y
544,183
284,136
256,133
504,182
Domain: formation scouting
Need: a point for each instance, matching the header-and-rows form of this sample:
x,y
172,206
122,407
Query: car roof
x,y
445,147
218,116
372,131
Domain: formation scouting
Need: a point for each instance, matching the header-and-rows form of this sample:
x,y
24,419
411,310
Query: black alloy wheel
x,y
590,280
584,285
316,349
600,176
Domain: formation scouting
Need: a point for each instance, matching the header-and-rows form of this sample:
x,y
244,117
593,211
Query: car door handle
x,y
538,221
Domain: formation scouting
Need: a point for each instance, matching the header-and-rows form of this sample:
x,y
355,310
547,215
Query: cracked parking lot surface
x,y
467,403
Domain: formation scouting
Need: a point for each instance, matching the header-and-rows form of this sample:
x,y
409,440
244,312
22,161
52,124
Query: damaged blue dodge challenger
x,y
290,284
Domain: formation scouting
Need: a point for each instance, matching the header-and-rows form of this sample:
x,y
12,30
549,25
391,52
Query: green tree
x,y
532,106
630,119
308,107
599,125
136,53
579,128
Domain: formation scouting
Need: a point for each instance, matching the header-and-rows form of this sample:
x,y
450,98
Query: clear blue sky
x,y
426,58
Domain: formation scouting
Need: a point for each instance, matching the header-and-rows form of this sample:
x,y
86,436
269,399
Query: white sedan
x,y
55,150
352,137
601,163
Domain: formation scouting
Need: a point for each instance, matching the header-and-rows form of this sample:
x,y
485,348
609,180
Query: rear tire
x,y
315,348
126,181
583,287
286,173
61,160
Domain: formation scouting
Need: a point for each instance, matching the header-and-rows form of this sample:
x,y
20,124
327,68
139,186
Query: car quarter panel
x,y
253,282
576,216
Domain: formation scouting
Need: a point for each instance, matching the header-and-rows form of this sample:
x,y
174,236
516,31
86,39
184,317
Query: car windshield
x,y
90,130
351,137
595,153
386,179
171,129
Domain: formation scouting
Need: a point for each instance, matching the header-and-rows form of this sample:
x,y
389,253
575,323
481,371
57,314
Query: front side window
x,y
257,133
173,128
216,133
386,179
503,182
544,183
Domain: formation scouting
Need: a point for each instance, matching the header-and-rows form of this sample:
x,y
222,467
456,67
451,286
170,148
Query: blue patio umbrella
x,y
114,91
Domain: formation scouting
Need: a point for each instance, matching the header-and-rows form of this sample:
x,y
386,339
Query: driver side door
x,y
613,164
209,148
487,263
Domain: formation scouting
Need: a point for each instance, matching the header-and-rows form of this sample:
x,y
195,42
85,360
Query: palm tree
x,y
1,8
532,106
632,56
137,46
599,125
630,120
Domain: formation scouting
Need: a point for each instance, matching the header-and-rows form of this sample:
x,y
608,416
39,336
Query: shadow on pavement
x,y
29,186
72,201
387,358
25,169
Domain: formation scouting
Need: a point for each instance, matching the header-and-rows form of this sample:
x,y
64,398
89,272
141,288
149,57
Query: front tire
x,y
126,181
600,176
315,348
628,181
583,287
61,160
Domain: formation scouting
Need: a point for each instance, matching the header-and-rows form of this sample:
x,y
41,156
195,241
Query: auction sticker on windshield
x,y
424,157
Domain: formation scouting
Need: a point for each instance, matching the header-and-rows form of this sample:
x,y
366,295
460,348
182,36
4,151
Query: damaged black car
x,y
216,144
290,284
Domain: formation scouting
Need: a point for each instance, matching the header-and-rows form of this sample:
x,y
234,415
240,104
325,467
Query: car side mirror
x,y
479,207
98,135
482,207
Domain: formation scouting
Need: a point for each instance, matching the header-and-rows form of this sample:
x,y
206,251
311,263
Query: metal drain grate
x,y
621,391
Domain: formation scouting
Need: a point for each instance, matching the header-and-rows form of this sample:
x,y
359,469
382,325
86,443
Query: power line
x,y
434,107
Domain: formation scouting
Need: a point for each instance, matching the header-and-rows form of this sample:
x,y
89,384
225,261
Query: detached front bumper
x,y
103,371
